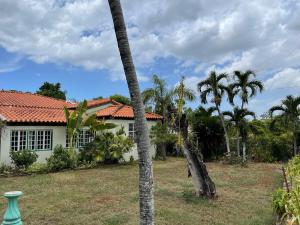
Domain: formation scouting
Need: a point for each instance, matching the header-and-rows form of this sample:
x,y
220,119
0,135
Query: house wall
x,y
58,137
125,124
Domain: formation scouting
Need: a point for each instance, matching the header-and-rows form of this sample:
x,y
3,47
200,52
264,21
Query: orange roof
x,y
123,111
33,108
27,107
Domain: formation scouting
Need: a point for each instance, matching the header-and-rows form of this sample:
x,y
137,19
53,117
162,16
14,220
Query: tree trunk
x,y
244,151
295,140
225,130
143,143
238,145
203,184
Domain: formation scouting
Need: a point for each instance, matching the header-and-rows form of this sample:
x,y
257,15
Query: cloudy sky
x,y
73,42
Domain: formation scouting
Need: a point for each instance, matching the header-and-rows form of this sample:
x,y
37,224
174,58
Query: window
x,y
131,131
31,139
83,137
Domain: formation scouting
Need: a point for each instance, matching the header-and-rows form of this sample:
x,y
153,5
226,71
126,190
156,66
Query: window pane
x,y
47,140
14,140
31,139
80,142
23,139
40,140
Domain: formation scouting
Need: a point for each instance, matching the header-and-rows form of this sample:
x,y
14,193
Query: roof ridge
x,y
29,106
117,109
35,94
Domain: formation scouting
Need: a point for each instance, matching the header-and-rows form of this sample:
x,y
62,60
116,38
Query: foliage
x,y
269,143
5,169
37,168
52,90
107,147
209,132
287,204
244,86
60,159
290,112
158,96
121,99
162,136
22,159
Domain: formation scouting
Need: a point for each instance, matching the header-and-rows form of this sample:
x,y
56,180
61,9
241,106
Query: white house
x,y
35,122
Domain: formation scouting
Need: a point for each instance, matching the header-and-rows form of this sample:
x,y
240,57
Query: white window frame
x,y
45,133
83,137
132,131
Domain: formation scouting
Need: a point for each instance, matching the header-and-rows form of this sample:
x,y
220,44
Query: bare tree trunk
x,y
143,143
225,130
295,140
244,151
203,184
238,145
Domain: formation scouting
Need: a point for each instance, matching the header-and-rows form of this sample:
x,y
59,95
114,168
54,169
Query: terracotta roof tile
x,y
123,111
28,107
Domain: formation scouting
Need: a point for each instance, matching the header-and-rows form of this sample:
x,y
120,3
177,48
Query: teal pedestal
x,y
12,215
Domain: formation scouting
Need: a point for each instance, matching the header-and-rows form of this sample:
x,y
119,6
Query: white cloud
x,y
262,35
286,78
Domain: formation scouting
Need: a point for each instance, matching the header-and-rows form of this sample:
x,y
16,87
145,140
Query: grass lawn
x,y
109,196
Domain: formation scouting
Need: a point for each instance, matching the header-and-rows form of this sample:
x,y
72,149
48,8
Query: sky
x,y
73,42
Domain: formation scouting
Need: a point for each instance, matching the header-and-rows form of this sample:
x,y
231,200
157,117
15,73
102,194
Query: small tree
x,y
237,117
213,86
52,90
290,112
121,99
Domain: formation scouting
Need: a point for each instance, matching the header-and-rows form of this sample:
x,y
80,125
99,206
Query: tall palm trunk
x,y
143,143
295,139
224,127
238,145
244,150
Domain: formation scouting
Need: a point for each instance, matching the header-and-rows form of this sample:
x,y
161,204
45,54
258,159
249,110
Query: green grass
x,y
109,196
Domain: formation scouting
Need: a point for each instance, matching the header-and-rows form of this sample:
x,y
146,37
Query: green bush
x,y
61,159
279,201
37,168
107,147
5,169
22,159
89,153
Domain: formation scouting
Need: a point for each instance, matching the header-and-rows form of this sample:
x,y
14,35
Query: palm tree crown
x,y
244,86
158,95
212,85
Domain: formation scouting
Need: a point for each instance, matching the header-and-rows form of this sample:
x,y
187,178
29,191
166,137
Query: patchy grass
x,y
109,196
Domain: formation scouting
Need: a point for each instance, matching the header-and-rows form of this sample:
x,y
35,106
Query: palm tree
x,y
246,87
146,186
182,95
237,118
162,98
159,95
290,112
213,86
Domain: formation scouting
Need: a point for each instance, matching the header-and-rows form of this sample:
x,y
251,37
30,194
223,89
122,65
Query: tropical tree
x,y
213,86
146,186
290,112
208,131
121,98
182,95
52,90
238,119
161,98
246,87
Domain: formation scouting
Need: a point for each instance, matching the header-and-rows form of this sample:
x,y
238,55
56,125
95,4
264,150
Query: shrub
x,y
22,159
279,201
37,168
61,159
5,169
107,147
89,153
